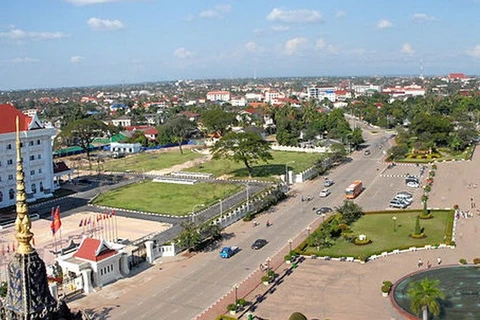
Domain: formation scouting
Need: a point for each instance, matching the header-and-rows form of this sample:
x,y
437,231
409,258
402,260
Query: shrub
x,y
297,316
417,236
241,302
232,307
362,257
248,217
463,261
476,261
363,242
265,278
434,167
386,286
288,257
424,216
418,229
343,226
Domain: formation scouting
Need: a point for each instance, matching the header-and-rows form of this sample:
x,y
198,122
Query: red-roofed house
x,y
457,76
36,152
98,261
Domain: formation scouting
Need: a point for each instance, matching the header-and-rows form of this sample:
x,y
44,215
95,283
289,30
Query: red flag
x,y
99,217
104,216
57,223
52,223
8,247
81,223
13,247
113,213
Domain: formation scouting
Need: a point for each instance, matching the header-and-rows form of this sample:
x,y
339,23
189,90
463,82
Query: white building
x,y
238,102
362,89
273,94
218,96
97,261
254,96
321,93
125,147
123,121
36,152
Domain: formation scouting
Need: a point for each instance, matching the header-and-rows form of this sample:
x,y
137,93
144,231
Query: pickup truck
x,y
227,252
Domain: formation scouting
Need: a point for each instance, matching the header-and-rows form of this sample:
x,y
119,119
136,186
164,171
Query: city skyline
x,y
65,43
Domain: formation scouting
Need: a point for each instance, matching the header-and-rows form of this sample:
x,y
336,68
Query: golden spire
x,y
22,223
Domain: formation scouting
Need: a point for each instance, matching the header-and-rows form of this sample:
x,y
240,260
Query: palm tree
x,y
425,295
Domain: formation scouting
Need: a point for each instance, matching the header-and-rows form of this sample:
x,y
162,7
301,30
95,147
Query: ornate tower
x,y
28,295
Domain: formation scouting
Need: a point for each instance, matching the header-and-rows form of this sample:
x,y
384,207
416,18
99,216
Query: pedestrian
x,y
429,265
420,263
439,261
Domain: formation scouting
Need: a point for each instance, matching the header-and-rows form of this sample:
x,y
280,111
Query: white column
x,y
150,253
87,284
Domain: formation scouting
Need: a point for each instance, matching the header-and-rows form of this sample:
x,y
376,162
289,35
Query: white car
x,y
413,184
327,182
324,193
397,204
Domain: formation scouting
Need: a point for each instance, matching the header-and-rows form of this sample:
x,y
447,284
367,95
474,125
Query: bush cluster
x,y
364,242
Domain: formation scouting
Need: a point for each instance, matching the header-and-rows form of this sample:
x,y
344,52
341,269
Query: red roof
x,y
340,92
7,120
60,167
151,131
94,250
457,76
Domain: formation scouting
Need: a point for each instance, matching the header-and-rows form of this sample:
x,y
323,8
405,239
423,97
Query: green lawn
x,y
147,161
446,155
296,161
379,228
166,198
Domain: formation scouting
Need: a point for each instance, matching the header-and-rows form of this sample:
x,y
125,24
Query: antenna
x,y
255,74
421,69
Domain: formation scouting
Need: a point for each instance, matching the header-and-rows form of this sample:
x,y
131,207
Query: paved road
x,y
185,289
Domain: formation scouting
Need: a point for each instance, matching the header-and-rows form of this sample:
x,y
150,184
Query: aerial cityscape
x,y
221,160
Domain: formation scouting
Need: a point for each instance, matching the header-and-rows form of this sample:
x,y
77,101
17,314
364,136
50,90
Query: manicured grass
x,y
379,229
147,161
296,161
166,198
445,155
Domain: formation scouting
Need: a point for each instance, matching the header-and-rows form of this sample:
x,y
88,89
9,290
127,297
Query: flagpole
x,y
115,223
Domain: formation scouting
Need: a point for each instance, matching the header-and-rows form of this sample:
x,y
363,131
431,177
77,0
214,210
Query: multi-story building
x,y
272,94
321,93
218,96
36,150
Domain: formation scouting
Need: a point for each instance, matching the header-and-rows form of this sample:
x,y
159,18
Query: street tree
x,y
189,237
338,151
245,147
83,132
217,120
425,296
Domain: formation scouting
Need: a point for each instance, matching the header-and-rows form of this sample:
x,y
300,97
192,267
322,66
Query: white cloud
x,y
340,14
76,59
295,45
22,60
217,12
183,53
475,52
280,28
20,35
407,49
384,24
87,2
323,46
294,16
105,24
251,46
422,17
190,17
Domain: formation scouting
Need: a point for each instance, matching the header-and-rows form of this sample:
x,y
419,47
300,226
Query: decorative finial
x,y
22,223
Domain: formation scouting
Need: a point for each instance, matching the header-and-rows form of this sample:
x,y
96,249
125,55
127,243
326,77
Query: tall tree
x,y
425,295
84,131
245,147
217,119
178,130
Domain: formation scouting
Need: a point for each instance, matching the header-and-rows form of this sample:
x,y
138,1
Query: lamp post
x,y
308,230
290,244
248,198
267,262
235,288
286,171
193,210
394,218
221,209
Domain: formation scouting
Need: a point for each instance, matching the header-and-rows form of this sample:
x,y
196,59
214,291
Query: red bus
x,y
354,189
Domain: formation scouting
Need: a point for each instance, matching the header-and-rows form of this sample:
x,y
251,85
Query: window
x,y
30,143
38,142
39,156
32,172
1,196
11,194
34,188
9,162
40,171
32,158
0,163
9,146
41,186
10,177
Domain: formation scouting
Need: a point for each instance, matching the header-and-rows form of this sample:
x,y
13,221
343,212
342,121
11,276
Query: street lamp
x,y
290,244
394,218
221,209
286,171
308,230
248,199
193,211
235,288
267,262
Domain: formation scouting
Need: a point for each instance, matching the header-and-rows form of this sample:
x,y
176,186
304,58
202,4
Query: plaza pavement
x,y
345,290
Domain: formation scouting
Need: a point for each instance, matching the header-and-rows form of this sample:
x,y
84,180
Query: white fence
x,y
300,149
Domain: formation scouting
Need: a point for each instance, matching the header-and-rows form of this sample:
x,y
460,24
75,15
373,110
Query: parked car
x,y
411,179
404,197
259,244
397,204
324,210
325,193
367,152
328,182
413,184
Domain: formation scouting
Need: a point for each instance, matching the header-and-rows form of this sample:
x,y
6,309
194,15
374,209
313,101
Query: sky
x,y
66,43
